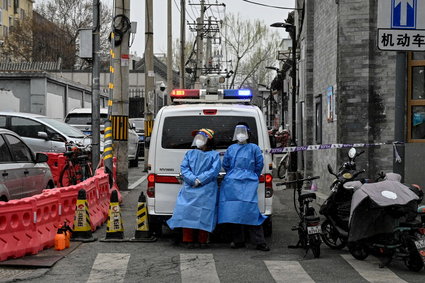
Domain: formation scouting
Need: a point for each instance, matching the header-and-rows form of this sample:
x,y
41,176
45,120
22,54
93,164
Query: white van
x,y
171,138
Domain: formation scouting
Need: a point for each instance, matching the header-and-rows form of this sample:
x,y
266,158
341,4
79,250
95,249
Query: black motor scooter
x,y
336,207
383,222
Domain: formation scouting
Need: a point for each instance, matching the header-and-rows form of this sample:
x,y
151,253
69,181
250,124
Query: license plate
x,y
420,245
141,138
314,230
87,133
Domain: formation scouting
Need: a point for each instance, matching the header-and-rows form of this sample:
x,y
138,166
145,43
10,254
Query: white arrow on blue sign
x,y
401,25
403,14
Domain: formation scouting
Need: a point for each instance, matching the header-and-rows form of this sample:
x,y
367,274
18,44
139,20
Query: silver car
x,y
81,118
40,133
23,173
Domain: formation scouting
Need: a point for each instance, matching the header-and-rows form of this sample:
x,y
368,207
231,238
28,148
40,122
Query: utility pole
x,y
120,94
182,40
170,75
209,46
149,75
199,45
95,106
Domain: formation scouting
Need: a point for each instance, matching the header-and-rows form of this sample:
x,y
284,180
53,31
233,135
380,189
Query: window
x,y
177,131
4,152
416,98
3,121
318,119
20,151
26,127
83,119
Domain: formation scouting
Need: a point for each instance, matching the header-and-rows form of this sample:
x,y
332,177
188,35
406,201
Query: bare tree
x,y
251,46
37,39
72,15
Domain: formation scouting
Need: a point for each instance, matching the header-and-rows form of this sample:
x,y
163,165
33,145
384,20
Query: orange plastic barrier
x,y
18,236
56,163
29,225
47,217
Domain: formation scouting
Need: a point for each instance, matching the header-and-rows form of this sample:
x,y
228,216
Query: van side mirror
x,y
43,135
147,142
41,157
133,126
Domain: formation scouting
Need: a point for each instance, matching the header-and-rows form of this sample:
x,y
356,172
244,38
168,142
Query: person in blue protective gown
x,y
196,205
238,202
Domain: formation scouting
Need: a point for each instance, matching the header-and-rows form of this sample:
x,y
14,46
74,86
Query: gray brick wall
x,y
342,52
324,75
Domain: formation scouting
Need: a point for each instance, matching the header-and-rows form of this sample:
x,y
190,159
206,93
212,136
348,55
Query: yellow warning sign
x,y
120,127
148,128
82,216
114,219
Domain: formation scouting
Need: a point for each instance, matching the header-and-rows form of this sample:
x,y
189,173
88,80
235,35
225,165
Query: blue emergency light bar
x,y
237,93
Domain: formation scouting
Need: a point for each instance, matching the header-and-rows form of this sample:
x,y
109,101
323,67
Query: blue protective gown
x,y
238,202
196,207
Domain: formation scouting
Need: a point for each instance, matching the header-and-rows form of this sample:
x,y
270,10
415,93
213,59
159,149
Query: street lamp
x,y
291,29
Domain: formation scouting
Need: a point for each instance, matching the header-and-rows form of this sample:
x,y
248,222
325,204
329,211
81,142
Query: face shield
x,y
200,140
241,133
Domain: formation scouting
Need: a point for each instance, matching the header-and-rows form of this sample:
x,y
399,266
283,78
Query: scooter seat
x,y
307,194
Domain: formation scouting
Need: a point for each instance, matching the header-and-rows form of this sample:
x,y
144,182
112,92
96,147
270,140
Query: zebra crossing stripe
x,y
198,268
369,270
287,271
109,267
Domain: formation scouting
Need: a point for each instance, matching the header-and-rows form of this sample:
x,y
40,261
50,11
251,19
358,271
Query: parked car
x,y
40,133
81,118
139,124
23,173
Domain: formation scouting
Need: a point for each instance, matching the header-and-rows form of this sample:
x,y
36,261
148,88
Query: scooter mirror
x,y
352,152
330,169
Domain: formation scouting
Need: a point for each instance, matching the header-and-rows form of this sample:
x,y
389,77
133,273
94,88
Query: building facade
x,y
12,10
346,91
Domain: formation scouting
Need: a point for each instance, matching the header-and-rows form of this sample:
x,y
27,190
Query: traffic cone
x,y
114,226
142,228
82,228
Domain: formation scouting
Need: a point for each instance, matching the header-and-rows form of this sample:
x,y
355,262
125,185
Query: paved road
x,y
162,261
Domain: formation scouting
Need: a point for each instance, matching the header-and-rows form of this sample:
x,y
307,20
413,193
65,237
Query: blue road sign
x,y
403,14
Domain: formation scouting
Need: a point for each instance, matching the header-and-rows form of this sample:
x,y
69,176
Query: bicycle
x,y
309,229
283,139
283,166
78,166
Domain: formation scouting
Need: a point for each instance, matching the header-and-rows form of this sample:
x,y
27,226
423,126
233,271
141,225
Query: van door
x,y
174,139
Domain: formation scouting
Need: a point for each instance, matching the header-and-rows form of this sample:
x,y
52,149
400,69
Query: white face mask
x,y
199,143
241,137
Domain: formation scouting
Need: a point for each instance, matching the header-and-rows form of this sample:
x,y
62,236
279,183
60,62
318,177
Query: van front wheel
x,y
268,226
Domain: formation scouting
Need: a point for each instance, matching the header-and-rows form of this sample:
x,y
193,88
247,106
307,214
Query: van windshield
x,y
177,131
83,118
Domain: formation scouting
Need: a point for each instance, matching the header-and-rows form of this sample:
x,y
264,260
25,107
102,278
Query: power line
x,y
270,6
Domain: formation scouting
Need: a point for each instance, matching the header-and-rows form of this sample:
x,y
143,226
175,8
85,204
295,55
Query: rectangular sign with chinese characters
x,y
401,25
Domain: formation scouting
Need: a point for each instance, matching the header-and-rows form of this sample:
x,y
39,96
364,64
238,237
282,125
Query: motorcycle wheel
x,y
331,236
414,262
315,246
316,251
358,251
